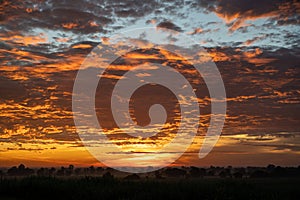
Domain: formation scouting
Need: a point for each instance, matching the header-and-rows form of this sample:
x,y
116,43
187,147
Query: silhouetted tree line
x,y
170,172
21,170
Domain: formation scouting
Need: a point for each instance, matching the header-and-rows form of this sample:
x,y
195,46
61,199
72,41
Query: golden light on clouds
x,y
255,49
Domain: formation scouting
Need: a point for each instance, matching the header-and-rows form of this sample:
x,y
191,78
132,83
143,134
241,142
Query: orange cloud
x,y
236,14
135,55
251,41
218,56
261,61
82,46
26,40
252,54
70,25
196,31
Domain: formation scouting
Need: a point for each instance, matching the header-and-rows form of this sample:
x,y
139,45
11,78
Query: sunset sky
x,y
254,44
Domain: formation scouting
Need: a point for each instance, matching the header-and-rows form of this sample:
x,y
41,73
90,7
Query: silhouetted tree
x,y
108,175
61,171
238,172
237,175
69,170
52,171
197,172
99,170
21,167
132,177
175,172
224,173
279,171
210,172
158,175
270,167
41,172
21,170
13,171
259,174
77,171
92,169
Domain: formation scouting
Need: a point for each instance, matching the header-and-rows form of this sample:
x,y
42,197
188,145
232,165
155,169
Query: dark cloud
x,y
11,90
99,16
236,12
292,20
169,25
77,16
278,147
255,39
259,80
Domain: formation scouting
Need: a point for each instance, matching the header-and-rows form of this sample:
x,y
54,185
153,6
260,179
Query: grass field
x,y
35,187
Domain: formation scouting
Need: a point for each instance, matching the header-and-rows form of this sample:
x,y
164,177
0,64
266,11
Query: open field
x,y
271,182
35,187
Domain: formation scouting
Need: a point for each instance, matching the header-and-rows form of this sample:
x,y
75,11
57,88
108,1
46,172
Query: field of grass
x,y
35,187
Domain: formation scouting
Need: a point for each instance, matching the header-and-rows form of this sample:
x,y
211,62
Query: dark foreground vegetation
x,y
170,183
